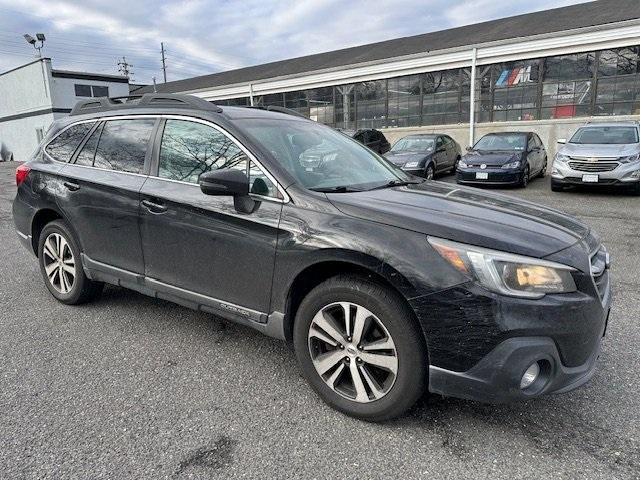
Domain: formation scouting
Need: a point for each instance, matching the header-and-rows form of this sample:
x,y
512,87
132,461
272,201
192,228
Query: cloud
x,y
205,36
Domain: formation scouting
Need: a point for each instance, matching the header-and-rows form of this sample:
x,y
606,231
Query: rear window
x,y
605,135
62,147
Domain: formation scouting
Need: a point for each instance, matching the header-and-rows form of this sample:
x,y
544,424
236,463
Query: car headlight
x,y
506,273
411,164
515,164
560,157
462,164
630,158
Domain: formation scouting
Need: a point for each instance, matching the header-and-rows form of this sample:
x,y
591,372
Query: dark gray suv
x,y
385,284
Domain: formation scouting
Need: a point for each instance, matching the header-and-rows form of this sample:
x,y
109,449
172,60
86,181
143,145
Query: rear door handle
x,y
154,207
72,186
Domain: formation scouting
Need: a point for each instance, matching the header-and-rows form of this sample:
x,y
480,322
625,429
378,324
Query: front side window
x,y
123,145
189,149
62,147
321,158
605,135
502,142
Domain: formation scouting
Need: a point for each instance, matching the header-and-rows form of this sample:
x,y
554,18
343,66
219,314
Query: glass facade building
x,y
598,83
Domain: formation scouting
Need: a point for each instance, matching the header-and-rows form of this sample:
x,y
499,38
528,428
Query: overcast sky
x,y
206,36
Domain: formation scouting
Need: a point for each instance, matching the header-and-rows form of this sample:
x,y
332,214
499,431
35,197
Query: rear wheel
x,y
61,268
543,172
455,164
360,348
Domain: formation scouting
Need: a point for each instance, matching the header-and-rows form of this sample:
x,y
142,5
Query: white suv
x,y
599,154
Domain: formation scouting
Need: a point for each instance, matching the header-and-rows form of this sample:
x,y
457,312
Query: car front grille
x,y
593,166
600,271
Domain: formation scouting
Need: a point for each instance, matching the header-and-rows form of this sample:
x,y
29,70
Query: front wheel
x,y
524,181
429,172
360,348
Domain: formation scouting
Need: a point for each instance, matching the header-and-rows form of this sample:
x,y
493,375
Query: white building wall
x,y
64,92
23,91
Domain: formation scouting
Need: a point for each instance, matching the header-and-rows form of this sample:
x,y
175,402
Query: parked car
x,y
425,155
511,158
369,137
599,154
385,284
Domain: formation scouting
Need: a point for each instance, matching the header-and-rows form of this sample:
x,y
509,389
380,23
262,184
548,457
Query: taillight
x,y
22,172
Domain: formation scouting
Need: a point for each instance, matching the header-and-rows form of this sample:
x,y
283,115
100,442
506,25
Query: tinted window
x,y
83,90
514,141
63,146
190,149
88,152
99,91
123,145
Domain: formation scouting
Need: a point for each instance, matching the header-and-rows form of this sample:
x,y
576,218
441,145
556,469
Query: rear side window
x,y
62,147
122,145
189,149
88,152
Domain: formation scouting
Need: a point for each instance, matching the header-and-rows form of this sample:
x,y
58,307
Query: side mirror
x,y
562,141
225,182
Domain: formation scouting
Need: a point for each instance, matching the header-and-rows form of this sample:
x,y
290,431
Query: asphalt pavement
x,y
138,388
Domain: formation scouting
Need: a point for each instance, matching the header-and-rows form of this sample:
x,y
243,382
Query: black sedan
x,y
425,154
511,158
370,138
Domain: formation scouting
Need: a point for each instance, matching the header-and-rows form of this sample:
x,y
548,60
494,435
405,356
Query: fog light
x,y
530,376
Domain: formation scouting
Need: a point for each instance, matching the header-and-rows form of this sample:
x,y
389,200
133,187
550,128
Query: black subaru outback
x,y
386,284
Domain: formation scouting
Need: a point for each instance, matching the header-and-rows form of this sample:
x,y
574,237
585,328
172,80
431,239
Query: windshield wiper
x,y
397,183
337,189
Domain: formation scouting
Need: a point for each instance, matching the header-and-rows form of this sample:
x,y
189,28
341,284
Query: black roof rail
x,y
176,100
275,108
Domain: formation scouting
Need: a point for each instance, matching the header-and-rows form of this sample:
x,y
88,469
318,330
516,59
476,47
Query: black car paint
x,y
201,252
491,162
443,158
373,139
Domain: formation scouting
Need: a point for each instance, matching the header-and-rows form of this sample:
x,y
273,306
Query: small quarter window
x,y
62,147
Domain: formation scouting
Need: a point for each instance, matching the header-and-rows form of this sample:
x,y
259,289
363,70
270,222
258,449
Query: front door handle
x,y
72,186
154,207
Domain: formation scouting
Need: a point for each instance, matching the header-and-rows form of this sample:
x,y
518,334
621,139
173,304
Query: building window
x,y
91,90
515,91
441,97
317,104
273,99
371,104
234,102
567,86
346,107
404,101
618,92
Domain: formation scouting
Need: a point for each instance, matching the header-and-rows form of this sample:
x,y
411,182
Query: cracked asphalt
x,y
134,387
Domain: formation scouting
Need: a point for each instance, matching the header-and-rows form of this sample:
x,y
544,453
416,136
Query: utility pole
x,y
125,68
164,64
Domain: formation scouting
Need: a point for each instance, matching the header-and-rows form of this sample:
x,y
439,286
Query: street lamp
x,y
33,41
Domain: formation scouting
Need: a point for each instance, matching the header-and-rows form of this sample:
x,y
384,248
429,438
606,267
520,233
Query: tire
x,y
556,187
524,181
66,279
379,305
429,172
455,165
543,172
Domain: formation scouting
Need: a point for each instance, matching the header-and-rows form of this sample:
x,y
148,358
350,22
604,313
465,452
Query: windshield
x,y
321,158
515,141
413,144
605,135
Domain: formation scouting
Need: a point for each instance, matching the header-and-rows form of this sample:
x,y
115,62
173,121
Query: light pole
x,y
33,41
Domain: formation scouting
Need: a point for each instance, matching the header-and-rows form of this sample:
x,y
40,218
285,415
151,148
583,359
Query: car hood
x,y
400,158
467,215
578,150
492,158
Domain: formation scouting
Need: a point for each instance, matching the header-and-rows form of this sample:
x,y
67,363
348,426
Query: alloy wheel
x,y
353,352
59,263
429,173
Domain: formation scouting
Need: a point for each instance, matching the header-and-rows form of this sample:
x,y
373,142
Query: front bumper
x,y
495,176
623,174
496,378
